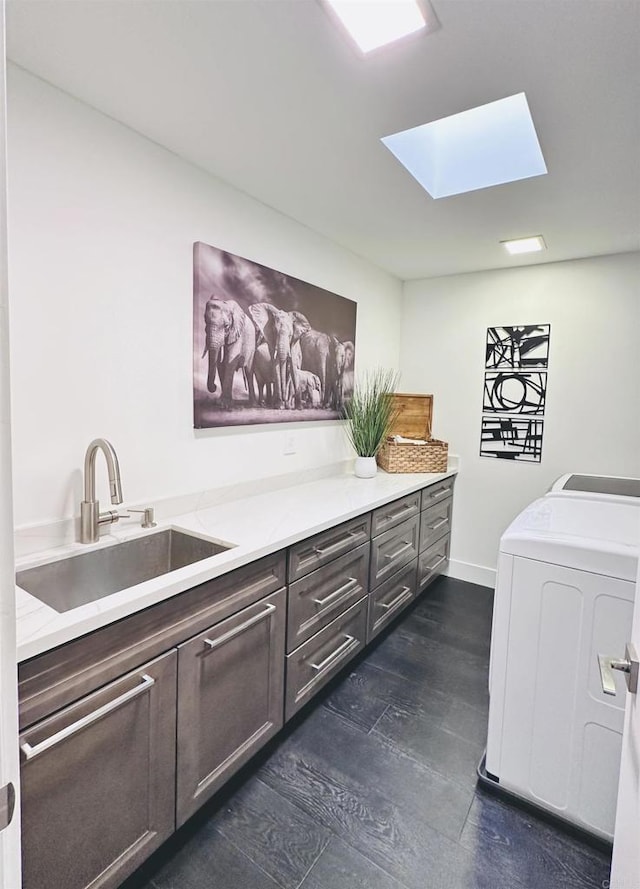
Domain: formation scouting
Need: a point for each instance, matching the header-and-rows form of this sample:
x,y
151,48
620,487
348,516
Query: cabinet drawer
x,y
393,549
54,679
393,513
316,599
321,657
230,698
390,598
435,522
432,561
98,782
310,554
435,493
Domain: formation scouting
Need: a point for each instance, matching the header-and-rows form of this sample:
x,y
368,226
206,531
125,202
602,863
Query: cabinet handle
x,y
29,752
322,551
437,494
342,589
438,524
406,544
403,508
436,563
398,599
334,654
231,634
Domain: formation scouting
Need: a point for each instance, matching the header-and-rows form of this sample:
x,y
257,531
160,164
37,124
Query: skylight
x,y
485,146
374,23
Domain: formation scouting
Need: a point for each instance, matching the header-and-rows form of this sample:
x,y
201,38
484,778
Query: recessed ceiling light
x,y
525,245
374,23
489,145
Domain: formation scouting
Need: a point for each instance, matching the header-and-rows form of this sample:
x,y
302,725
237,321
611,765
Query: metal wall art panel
x,y
510,438
515,392
518,347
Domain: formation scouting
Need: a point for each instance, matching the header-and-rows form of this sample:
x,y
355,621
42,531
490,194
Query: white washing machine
x,y
564,593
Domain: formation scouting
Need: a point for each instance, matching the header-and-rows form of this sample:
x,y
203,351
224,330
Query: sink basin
x,y
84,578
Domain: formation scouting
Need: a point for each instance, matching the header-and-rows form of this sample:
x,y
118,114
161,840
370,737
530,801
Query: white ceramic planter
x,y
365,467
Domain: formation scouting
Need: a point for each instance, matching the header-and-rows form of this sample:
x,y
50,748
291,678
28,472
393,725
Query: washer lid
x,y
598,484
597,535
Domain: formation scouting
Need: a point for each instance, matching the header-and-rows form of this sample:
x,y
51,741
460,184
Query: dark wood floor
x,y
374,786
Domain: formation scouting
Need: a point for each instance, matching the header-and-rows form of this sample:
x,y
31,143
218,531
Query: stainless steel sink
x,y
80,579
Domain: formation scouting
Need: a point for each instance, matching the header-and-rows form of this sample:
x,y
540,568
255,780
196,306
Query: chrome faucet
x,y
90,516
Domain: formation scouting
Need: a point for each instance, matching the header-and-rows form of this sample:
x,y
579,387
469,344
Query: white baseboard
x,y
472,573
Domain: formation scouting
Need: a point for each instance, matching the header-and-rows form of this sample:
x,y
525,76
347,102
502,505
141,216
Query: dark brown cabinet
x,y
392,550
128,730
433,561
389,599
435,522
98,781
230,698
393,513
100,764
318,598
311,665
322,548
435,531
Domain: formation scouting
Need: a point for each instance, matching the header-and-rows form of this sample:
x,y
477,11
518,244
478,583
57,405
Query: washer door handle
x,y
629,665
7,804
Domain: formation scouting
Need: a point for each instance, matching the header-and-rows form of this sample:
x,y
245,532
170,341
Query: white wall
x,y
592,419
101,228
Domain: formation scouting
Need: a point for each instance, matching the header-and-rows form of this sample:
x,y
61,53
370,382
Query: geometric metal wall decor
x,y
515,391
267,347
510,438
518,347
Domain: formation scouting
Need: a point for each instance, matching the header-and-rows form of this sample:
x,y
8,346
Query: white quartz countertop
x,y
256,526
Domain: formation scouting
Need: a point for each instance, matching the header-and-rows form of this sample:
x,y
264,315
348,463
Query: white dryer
x,y
564,593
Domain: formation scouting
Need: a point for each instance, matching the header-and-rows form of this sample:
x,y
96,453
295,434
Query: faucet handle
x,y
148,516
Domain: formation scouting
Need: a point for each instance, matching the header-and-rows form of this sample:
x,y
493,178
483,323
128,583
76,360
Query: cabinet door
x,y
316,599
316,551
313,664
230,698
391,598
98,781
435,522
393,513
433,561
435,493
393,549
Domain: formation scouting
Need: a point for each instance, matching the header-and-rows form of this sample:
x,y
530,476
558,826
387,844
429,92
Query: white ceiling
x,y
271,97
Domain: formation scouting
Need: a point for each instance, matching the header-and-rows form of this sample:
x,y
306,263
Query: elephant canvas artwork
x,y
267,347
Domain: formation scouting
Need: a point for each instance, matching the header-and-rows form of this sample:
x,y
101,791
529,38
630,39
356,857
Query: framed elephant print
x,y
267,347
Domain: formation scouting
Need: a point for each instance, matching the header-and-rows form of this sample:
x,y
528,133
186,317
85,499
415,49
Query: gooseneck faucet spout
x,y
90,516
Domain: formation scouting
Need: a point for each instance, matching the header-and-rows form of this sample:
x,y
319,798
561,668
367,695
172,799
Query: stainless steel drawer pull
x,y
334,654
403,508
231,634
398,599
29,752
438,524
406,544
436,563
351,582
322,551
437,494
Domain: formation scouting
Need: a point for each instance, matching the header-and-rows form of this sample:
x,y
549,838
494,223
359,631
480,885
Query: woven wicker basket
x,y
413,420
